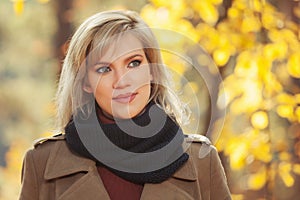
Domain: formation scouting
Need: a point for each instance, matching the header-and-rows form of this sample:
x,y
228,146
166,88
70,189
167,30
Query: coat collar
x,y
187,171
63,162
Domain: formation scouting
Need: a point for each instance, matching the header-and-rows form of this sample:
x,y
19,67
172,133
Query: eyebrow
x,y
126,60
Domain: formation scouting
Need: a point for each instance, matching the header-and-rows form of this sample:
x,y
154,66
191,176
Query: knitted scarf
x,y
156,156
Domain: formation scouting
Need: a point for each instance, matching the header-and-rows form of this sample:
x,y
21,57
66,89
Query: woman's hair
x,y
94,33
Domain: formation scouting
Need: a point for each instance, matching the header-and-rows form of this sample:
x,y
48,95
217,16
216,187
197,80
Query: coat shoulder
x,y
201,147
197,138
210,172
41,141
42,148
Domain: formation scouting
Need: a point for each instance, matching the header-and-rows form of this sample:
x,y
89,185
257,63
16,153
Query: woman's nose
x,y
121,79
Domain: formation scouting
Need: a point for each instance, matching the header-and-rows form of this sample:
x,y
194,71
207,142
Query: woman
x,y
120,124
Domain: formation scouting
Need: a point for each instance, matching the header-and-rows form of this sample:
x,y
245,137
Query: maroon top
x,y
119,188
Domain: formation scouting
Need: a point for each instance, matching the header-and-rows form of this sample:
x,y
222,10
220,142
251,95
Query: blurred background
x,y
254,45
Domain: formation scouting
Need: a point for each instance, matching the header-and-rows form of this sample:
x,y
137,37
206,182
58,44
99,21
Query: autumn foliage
x,y
257,51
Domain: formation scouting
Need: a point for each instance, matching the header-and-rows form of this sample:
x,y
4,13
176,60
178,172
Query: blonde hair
x,y
100,28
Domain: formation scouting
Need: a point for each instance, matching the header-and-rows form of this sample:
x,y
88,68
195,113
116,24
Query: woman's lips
x,y
125,98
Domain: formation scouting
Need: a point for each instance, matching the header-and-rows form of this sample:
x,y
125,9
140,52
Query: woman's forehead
x,y
119,47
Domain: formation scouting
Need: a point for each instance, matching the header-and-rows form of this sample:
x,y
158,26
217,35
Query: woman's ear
x,y
86,86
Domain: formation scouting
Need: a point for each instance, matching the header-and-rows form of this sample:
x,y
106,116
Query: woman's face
x,y
120,79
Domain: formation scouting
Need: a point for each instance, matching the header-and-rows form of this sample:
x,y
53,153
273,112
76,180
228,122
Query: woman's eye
x,y
134,63
103,69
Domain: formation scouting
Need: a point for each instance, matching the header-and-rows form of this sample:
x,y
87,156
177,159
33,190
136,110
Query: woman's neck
x,y
106,118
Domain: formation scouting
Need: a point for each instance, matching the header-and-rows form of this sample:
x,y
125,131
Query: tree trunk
x,y
63,10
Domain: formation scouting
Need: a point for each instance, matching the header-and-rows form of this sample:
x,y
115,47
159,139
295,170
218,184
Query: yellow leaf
x,y
221,56
242,5
238,155
233,13
245,100
177,8
297,113
275,35
284,156
269,21
284,98
175,64
294,65
19,7
284,173
297,98
209,37
185,27
288,35
161,3
259,120
207,11
43,1
285,111
258,180
272,85
216,2
250,24
237,196
247,65
194,86
14,155
257,5
296,168
276,51
260,146
263,153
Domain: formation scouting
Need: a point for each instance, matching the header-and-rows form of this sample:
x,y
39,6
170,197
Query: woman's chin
x,y
126,112
124,116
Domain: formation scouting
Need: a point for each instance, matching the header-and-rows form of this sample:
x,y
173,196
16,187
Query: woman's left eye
x,y
134,63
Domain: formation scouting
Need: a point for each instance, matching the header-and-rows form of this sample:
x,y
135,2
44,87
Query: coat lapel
x,y
179,186
88,186
85,183
187,172
62,162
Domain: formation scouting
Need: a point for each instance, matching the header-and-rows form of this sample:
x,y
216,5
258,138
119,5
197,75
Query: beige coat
x,y
51,171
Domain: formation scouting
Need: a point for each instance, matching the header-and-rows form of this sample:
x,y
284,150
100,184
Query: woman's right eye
x,y
103,69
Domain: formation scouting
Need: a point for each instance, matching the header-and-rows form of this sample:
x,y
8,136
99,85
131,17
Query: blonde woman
x,y
120,124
